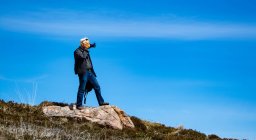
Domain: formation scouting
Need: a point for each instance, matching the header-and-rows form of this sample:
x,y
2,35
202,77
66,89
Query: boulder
x,y
105,115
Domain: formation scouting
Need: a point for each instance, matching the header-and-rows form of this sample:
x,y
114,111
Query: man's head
x,y
85,43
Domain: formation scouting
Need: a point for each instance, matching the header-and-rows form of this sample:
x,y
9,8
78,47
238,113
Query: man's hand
x,y
93,45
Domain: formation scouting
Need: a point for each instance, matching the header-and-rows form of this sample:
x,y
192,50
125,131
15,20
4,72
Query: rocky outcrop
x,y
105,115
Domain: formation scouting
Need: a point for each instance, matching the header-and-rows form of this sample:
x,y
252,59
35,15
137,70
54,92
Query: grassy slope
x,y
21,121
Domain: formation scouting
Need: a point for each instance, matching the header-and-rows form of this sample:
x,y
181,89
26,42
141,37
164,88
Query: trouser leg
x,y
81,89
96,88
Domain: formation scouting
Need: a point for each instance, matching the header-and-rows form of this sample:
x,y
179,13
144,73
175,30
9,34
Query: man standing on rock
x,y
86,74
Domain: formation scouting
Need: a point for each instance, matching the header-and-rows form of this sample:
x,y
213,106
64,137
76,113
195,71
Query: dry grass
x,y
25,122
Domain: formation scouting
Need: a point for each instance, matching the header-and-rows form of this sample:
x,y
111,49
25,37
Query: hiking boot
x,y
104,103
80,107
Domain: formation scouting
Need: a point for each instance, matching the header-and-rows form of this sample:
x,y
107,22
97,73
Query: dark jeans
x,y
83,79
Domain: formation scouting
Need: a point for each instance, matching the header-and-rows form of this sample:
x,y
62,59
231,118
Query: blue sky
x,y
189,63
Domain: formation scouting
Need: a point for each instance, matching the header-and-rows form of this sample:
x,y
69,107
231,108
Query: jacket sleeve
x,y
78,54
93,45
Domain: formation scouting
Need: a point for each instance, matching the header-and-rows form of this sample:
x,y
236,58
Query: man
x,y
86,74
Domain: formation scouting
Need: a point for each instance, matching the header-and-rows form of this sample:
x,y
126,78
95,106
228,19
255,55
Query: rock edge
x,y
104,115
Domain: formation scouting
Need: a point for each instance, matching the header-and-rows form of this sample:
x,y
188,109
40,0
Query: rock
x,y
105,115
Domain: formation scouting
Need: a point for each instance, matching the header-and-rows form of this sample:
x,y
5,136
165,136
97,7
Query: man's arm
x,y
93,45
79,54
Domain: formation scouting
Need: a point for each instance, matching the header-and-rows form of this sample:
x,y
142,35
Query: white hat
x,y
83,39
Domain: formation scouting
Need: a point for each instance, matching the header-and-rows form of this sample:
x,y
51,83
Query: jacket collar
x,y
83,49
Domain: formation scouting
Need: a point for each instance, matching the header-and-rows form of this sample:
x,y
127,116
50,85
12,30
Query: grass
x,y
23,121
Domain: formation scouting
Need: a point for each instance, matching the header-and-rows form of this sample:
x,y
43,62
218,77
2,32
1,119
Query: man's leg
x,y
81,89
96,88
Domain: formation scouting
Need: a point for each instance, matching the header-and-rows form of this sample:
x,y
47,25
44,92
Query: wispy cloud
x,y
79,24
24,80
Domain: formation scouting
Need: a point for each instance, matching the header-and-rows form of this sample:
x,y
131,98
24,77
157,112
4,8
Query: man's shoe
x,y
105,103
80,107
